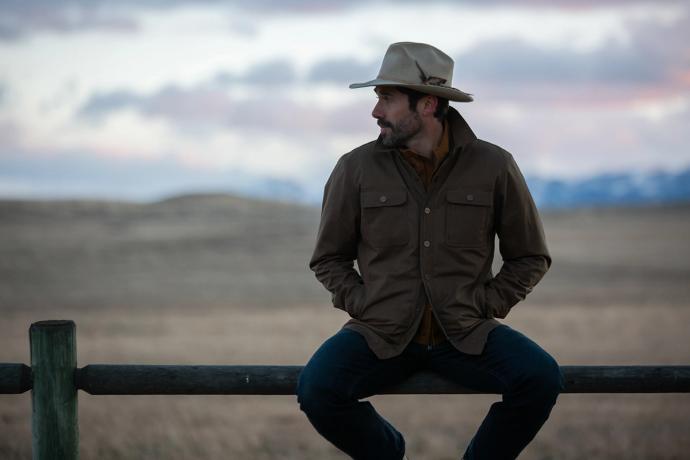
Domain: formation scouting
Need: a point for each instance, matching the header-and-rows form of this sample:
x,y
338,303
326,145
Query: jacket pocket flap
x,y
379,199
470,197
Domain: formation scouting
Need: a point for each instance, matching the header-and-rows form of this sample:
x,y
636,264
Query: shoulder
x,y
492,155
490,151
350,165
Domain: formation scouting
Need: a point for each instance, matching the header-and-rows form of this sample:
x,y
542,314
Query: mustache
x,y
384,124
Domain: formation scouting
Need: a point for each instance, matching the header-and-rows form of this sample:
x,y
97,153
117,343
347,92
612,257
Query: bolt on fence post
x,y
55,431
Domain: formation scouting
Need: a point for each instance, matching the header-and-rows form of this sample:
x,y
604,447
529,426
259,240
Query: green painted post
x,y
55,432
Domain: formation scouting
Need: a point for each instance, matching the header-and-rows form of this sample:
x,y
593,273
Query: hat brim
x,y
440,91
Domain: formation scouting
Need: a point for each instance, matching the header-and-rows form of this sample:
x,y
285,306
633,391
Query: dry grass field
x,y
219,280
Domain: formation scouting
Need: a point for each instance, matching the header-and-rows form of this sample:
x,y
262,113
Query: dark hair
x,y
414,96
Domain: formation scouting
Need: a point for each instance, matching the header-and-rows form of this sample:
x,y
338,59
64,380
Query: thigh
x,y
509,358
345,364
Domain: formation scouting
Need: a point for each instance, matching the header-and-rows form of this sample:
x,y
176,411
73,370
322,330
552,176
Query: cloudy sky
x,y
140,100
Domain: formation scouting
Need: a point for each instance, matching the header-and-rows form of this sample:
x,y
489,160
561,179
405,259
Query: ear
x,y
427,105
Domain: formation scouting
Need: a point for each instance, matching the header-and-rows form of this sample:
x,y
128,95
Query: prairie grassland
x,y
436,427
223,280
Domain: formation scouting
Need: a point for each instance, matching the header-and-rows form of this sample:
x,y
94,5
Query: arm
x,y
521,243
337,239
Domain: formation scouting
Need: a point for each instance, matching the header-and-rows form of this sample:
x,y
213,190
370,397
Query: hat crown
x,y
417,63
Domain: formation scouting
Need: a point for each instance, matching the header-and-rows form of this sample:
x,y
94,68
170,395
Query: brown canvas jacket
x,y
412,245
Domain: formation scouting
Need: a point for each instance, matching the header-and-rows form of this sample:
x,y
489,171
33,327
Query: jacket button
x,y
470,197
427,211
427,243
383,198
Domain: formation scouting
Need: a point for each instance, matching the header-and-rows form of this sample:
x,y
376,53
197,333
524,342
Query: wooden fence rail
x,y
110,379
54,380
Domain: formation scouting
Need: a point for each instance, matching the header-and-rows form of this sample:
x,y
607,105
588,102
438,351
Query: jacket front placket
x,y
429,205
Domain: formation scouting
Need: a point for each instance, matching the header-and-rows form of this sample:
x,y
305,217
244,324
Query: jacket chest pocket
x,y
468,215
384,218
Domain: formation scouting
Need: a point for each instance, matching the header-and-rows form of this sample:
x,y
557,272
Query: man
x,y
419,209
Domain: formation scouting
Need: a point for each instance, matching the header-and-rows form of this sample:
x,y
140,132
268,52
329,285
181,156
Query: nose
x,y
376,112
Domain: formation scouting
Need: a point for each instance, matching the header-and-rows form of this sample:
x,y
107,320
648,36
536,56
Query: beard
x,y
401,132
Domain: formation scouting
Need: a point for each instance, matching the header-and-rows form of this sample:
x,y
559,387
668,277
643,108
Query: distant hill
x,y
187,251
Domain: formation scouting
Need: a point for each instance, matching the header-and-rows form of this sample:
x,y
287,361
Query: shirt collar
x,y
440,151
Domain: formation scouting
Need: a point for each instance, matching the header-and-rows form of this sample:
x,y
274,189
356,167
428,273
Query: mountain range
x,y
612,189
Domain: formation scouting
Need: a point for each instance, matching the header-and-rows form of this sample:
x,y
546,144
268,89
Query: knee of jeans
x,y
312,395
547,379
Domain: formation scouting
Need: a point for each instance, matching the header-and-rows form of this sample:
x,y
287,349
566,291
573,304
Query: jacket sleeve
x,y
338,237
522,243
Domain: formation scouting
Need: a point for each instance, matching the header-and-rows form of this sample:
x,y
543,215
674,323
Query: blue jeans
x,y
344,370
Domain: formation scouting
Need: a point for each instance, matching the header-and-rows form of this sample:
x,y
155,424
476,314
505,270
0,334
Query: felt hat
x,y
420,67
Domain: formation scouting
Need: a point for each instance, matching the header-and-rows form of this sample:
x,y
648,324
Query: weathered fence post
x,y
55,432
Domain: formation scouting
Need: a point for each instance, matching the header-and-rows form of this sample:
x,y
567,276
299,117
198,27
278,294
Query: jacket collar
x,y
460,132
